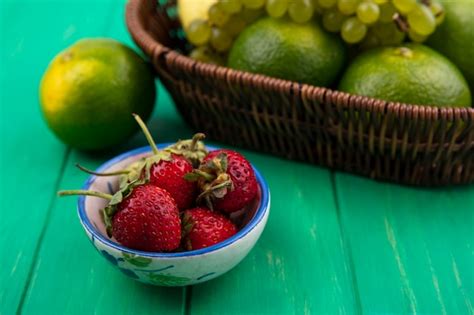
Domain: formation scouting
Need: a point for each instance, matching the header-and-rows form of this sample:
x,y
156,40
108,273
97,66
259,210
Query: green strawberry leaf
x,y
116,198
134,172
192,177
107,218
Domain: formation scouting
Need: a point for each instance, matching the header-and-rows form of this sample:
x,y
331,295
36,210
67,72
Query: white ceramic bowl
x,y
168,269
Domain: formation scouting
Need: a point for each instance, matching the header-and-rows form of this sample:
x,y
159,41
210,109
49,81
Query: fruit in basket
x,y
380,22
142,216
455,37
412,73
368,23
190,10
89,91
271,47
203,228
226,180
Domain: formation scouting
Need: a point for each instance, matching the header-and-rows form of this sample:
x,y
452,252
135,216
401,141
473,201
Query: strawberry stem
x,y
85,193
88,171
147,134
196,138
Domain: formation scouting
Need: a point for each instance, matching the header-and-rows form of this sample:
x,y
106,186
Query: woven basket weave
x,y
403,143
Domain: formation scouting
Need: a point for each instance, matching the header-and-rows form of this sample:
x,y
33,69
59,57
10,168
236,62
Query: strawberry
x,y
169,174
165,168
147,219
140,216
226,179
203,228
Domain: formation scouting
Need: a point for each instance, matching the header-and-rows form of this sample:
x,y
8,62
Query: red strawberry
x,y
167,168
227,180
147,219
140,216
203,228
169,175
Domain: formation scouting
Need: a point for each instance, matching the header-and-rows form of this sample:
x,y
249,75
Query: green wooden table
x,y
335,243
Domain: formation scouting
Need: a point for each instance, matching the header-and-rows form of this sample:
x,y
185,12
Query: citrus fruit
x,y
455,36
412,73
191,10
288,50
90,90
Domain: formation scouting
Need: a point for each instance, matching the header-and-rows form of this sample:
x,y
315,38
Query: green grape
x,y
387,11
230,6
301,11
421,20
220,40
204,54
234,25
417,38
276,8
353,30
404,6
380,1
198,32
253,4
368,12
438,11
326,4
250,15
347,7
217,16
332,20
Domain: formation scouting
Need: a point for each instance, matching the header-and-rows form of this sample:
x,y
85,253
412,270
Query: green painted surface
x,y
334,243
411,248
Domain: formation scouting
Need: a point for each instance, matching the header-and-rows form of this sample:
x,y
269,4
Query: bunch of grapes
x,y
368,23
381,22
227,18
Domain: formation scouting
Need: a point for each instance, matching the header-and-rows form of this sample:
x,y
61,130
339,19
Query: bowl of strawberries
x,y
174,214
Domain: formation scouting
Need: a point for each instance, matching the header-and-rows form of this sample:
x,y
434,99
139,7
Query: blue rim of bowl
x,y
259,214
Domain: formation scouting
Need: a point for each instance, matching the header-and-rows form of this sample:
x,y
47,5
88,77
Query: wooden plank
x,y
411,247
68,270
299,265
31,158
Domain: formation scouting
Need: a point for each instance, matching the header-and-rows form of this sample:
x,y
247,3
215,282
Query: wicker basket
x,y
403,143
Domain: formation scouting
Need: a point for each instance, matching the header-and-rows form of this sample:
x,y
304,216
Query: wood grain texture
x,y
412,248
299,265
31,158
